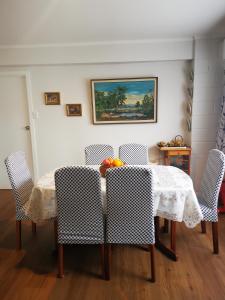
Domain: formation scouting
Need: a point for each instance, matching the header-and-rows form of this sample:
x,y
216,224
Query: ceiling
x,y
39,22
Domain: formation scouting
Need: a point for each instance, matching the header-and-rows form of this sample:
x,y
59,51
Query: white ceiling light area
x,y
32,22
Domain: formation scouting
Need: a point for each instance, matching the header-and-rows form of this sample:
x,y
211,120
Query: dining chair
x,y
79,210
22,184
134,154
209,192
130,217
95,154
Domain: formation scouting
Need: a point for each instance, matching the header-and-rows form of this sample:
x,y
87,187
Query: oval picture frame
x,y
189,108
188,124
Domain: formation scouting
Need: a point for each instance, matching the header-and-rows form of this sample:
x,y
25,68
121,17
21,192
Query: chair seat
x,y
209,214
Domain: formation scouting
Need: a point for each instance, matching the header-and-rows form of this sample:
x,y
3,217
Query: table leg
x,y
170,253
173,236
165,228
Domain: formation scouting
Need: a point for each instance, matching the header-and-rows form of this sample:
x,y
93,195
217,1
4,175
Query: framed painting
x,y
116,101
52,98
73,110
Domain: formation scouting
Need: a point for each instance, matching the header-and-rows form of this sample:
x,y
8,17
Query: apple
x,y
106,162
102,170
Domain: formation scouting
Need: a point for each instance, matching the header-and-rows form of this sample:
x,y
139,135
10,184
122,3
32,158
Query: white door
x,y
14,118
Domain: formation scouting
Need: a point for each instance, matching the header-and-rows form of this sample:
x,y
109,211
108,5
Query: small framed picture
x,y
73,110
52,98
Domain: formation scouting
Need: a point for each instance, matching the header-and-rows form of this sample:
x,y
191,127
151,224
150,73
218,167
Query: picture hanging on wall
x,y
73,110
52,98
117,101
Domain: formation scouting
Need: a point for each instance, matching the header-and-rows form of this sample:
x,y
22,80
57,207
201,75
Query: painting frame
x,y
127,112
52,98
73,110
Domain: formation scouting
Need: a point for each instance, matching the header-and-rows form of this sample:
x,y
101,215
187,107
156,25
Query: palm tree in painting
x,y
138,105
120,91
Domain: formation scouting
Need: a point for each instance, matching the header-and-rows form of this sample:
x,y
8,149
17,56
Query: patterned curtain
x,y
220,141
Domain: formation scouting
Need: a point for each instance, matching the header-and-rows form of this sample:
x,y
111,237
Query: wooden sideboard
x,y
179,157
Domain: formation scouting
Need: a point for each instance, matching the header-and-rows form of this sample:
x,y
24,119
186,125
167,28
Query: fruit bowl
x,y
110,163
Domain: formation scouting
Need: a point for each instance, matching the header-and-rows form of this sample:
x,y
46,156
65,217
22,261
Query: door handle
x,y
27,127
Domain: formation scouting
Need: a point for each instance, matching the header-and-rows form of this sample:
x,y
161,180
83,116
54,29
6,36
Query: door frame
x,y
31,115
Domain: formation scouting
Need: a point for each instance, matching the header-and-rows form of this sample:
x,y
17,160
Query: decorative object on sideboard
x,y
73,110
52,98
177,142
132,100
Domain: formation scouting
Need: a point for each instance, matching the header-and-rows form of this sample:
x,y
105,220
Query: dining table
x,y
173,195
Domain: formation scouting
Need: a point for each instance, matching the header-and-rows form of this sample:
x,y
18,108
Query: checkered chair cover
x,y
129,196
210,185
134,154
95,154
79,206
20,180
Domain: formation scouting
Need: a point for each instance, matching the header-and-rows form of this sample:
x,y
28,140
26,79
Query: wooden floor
x,y
31,273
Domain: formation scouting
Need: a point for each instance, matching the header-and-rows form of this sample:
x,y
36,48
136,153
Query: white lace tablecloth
x,y
174,197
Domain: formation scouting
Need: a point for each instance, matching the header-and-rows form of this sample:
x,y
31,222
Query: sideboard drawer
x,y
178,152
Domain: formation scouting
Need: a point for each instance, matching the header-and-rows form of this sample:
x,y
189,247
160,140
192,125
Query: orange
x,y
117,162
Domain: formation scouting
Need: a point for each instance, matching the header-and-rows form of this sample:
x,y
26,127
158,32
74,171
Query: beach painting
x,y
132,100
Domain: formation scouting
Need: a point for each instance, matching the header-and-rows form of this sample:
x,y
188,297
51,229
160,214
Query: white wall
x,y
61,139
208,87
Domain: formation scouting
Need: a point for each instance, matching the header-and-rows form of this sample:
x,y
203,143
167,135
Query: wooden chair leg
x,y
34,228
18,235
215,237
173,236
152,258
60,261
203,226
107,261
56,234
102,255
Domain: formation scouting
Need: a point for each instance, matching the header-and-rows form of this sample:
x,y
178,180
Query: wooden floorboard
x,y
31,273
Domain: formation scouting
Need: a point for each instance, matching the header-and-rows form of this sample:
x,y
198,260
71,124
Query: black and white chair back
x,y
95,154
211,182
130,218
20,180
79,208
129,206
134,154
209,192
22,184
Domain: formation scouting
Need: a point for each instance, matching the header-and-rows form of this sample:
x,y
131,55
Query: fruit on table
x,y
110,159
118,162
102,170
110,163
106,162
